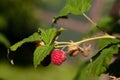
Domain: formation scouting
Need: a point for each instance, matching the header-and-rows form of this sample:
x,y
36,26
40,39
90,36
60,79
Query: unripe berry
x,y
85,53
75,53
73,50
58,56
41,43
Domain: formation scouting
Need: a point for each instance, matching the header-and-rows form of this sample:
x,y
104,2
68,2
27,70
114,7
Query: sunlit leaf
x,y
32,38
48,35
4,41
75,7
40,53
93,69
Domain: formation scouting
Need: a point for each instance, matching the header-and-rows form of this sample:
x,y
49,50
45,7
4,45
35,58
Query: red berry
x,y
58,56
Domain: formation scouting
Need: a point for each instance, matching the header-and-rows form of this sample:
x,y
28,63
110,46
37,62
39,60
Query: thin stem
x,y
94,38
62,42
61,46
89,19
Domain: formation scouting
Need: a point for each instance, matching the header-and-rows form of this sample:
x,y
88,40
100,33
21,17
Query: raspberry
x,y
58,57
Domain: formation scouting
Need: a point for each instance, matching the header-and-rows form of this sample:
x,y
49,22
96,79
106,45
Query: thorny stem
x,y
84,40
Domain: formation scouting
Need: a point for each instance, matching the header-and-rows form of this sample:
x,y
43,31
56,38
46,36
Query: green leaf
x,y
93,69
48,35
4,40
40,53
75,7
105,24
32,38
103,42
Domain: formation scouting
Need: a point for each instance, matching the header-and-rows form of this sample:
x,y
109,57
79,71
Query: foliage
x,y
4,41
106,24
74,7
17,21
17,18
98,64
41,51
28,73
32,38
48,35
11,11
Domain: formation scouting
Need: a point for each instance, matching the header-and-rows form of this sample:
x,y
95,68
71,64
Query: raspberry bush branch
x,y
58,56
62,44
95,38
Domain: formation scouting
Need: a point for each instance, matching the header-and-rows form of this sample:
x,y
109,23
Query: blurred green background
x,y
52,72
21,18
